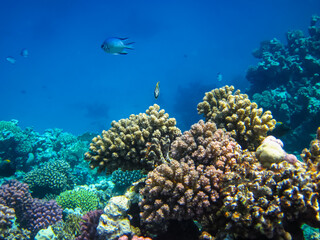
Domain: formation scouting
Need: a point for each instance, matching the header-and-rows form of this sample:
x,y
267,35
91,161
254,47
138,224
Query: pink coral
x,y
135,237
207,145
179,190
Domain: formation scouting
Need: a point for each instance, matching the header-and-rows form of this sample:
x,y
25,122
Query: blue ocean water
x,y
69,82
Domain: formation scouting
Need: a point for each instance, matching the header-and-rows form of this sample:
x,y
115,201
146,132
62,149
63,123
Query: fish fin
x,y
123,38
123,53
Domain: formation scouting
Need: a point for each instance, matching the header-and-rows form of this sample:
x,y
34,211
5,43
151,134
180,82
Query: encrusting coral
x,y
139,142
235,112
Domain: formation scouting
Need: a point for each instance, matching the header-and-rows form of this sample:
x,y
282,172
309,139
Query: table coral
x,y
139,142
235,112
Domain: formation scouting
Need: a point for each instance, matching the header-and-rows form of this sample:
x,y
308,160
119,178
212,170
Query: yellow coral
x,y
235,112
140,142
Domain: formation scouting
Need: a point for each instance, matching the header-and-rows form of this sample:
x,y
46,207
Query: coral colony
x,y
226,177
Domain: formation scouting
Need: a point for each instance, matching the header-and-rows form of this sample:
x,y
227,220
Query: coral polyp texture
x,y
53,177
140,142
313,154
235,112
207,145
188,187
179,191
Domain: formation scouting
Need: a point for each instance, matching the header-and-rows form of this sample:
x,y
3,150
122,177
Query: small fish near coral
x,y
157,90
116,46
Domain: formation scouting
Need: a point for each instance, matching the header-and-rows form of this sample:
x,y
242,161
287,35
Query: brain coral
x,y
235,112
140,142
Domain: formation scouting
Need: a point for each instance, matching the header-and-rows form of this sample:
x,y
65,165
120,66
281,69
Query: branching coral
x,y
79,198
189,188
180,191
32,214
54,177
140,142
207,145
235,112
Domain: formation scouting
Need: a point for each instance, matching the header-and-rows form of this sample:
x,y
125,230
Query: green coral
x,y
124,179
52,178
78,198
68,229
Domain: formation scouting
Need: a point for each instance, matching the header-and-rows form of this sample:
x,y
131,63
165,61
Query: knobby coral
x,y
139,142
188,187
32,214
235,112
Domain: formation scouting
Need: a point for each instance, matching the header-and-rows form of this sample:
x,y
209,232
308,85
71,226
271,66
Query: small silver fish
x,y
11,60
116,46
219,76
157,90
24,52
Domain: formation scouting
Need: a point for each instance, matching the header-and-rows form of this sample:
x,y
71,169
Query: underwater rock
x,y
46,234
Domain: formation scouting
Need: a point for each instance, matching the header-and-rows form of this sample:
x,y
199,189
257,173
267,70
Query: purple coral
x,y
41,214
33,214
16,195
6,217
89,225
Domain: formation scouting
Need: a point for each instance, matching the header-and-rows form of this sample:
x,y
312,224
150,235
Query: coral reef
x,y
135,237
32,214
46,234
114,221
68,229
179,191
312,154
189,188
235,112
78,198
286,81
89,225
124,179
7,216
53,177
140,142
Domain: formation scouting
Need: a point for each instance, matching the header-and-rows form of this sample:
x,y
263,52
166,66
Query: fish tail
x,y
128,45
